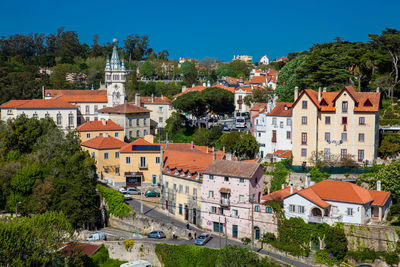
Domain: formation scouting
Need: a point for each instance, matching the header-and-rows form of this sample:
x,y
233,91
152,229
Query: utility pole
x,y
141,194
226,233
252,224
219,231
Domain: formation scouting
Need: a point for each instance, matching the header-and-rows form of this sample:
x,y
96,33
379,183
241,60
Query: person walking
x,y
195,235
190,236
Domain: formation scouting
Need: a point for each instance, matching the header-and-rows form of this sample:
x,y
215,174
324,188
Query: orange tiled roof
x,y
155,100
140,142
76,248
259,79
244,88
259,107
279,195
125,108
380,197
84,98
310,194
328,99
233,168
201,88
101,142
54,92
37,104
102,125
281,109
231,80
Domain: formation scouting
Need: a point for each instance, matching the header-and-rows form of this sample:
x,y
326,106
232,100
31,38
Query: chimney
x,y
204,84
377,89
192,146
214,155
228,156
324,90
291,189
223,149
307,181
207,149
269,190
184,88
104,122
282,186
162,97
296,93
43,92
378,185
152,98
193,85
137,99
208,84
319,94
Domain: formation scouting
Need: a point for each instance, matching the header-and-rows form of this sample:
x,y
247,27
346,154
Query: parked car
x,y
156,234
122,190
133,191
97,236
152,193
139,263
202,239
127,196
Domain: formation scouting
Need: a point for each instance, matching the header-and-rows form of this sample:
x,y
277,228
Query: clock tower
x,y
115,75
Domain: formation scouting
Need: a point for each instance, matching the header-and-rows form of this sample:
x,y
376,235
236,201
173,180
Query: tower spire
x,y
115,63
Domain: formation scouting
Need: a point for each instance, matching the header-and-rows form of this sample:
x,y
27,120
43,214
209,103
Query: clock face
x,y
115,86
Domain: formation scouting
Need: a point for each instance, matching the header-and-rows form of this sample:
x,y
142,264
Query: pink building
x,y
231,199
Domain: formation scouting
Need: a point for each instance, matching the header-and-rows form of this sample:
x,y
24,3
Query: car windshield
x,y
240,120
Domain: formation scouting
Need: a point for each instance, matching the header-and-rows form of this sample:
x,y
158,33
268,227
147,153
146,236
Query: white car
x,y
122,190
127,196
133,191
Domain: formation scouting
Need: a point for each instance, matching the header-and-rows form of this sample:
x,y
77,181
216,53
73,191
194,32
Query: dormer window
x,y
48,94
367,103
323,103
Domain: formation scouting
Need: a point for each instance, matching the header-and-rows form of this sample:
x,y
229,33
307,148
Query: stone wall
x,y
143,224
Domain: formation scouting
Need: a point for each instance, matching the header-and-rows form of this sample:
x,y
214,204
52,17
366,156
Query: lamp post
x,y
141,194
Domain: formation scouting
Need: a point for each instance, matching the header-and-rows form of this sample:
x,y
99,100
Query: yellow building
x,y
335,125
105,150
92,129
140,160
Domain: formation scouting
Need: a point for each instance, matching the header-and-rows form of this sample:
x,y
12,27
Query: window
x,y
116,134
241,198
344,120
241,180
195,192
157,160
180,188
304,104
166,185
349,211
106,155
160,109
47,115
361,137
59,119
213,209
95,109
361,120
144,121
137,133
87,109
117,155
288,135
344,137
70,119
343,153
142,161
93,154
127,160
130,133
273,121
257,208
106,170
180,209
88,135
211,177
345,106
292,208
220,211
304,152
144,132
304,120
328,120
360,155
130,122
174,187
268,210
300,209
210,194
273,136
281,124
304,138
187,190
327,153
226,179
235,213
327,136
35,116
137,122
117,170
87,119
160,119
288,121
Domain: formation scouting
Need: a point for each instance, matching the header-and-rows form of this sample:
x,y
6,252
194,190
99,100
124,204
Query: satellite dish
x,y
114,40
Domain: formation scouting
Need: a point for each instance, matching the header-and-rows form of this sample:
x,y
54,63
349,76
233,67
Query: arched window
x,y
59,119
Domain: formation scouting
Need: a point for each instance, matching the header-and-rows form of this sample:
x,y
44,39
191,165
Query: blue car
x,y
202,239
156,234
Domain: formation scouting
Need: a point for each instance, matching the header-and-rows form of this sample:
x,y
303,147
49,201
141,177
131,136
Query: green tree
x,y
241,68
318,176
279,177
189,73
389,176
192,103
219,101
240,144
242,257
225,70
147,69
259,95
175,122
336,242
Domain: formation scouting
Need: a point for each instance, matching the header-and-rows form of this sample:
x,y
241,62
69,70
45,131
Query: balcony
x,y
326,219
315,219
224,202
143,166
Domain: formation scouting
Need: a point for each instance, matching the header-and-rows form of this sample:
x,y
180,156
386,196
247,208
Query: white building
x,y
273,131
64,114
239,95
335,201
161,109
264,60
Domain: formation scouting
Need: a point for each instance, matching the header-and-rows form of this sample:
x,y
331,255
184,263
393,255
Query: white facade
x,y
264,60
115,77
239,95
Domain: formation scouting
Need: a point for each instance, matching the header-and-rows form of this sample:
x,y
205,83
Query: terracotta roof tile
x,y
54,92
233,168
75,248
155,100
309,194
259,79
244,88
281,109
101,142
259,106
37,104
102,125
279,195
84,98
139,146
201,88
125,108
380,197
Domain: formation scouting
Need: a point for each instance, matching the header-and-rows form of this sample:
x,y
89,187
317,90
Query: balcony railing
x,y
225,202
143,166
315,219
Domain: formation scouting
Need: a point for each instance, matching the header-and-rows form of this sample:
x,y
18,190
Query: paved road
x,y
213,243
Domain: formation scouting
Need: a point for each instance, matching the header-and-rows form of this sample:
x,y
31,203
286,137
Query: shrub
x,y
101,258
115,201
336,242
323,256
128,243
186,255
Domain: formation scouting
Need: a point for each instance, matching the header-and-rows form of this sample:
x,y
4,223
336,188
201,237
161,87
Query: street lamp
x,y
16,208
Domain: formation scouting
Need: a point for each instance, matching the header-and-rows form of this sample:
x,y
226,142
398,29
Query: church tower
x,y
115,79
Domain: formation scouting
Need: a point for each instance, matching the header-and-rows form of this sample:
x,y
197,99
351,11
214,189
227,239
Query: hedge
x,y
186,255
115,201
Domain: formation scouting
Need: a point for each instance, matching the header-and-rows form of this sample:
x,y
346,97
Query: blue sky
x,y
207,28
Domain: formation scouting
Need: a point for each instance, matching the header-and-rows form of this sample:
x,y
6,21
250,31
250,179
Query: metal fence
x,y
330,170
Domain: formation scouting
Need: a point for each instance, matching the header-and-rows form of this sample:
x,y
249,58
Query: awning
x,y
225,190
